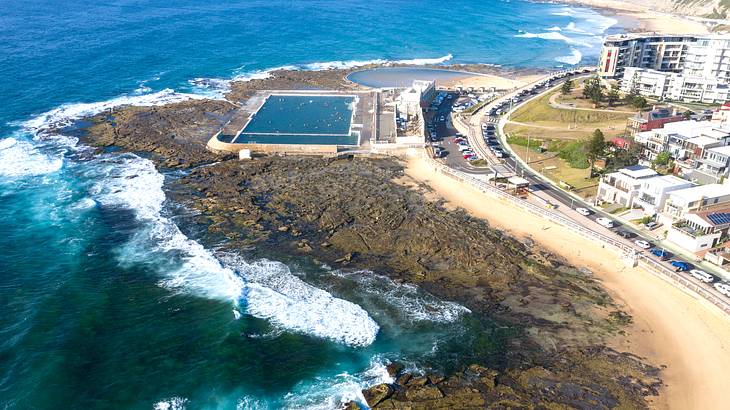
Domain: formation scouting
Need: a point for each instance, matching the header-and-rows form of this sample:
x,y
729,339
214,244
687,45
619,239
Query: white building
x,y
643,50
691,69
416,97
679,139
699,231
639,187
689,88
715,163
698,198
650,83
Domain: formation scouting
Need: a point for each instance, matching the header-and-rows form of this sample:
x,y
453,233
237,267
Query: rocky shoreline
x,y
364,213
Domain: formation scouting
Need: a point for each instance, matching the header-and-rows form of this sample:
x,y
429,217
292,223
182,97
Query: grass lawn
x,y
539,120
556,169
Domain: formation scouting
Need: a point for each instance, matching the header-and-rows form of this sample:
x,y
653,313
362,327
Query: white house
x,y
699,231
654,191
715,163
702,197
622,186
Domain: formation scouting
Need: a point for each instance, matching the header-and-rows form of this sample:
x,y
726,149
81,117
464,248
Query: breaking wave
x,y
67,113
555,36
21,158
173,403
407,300
265,289
573,59
325,393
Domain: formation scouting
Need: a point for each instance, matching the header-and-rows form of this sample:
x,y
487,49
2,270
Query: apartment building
x,y
680,68
643,50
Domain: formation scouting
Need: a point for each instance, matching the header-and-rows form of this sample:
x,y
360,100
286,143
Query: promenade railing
x,y
628,251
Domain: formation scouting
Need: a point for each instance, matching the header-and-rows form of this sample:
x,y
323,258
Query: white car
x,y
642,244
605,222
723,287
463,148
702,275
583,211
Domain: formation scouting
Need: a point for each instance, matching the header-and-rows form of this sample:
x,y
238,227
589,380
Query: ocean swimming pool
x,y
302,119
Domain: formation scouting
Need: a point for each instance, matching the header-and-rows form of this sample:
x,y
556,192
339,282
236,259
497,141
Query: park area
x,y
552,131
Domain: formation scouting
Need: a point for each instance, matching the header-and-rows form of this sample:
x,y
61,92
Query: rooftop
x,y
702,141
637,171
667,181
696,193
721,150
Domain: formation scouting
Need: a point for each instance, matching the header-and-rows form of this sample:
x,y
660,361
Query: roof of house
x,y
714,217
637,171
725,150
667,181
702,141
701,191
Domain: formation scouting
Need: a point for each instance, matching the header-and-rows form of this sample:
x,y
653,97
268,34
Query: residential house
x,y
638,187
702,230
697,198
651,120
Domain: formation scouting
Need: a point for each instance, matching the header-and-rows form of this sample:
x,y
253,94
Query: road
x,y
544,189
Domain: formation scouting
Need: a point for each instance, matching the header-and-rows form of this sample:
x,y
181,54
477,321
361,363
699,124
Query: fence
x,y
651,265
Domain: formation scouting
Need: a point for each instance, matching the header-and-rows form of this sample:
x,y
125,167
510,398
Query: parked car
x,y
642,244
472,158
499,154
583,211
660,253
459,139
624,234
651,225
605,222
463,148
702,275
723,287
467,154
681,266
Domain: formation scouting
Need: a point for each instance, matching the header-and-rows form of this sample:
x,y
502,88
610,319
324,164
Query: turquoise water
x,y
301,119
113,298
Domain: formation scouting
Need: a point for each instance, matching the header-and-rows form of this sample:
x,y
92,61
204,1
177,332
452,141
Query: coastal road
x,y
565,202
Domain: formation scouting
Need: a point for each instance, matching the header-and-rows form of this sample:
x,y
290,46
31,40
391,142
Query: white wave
x,y
572,27
67,113
326,393
250,403
272,292
173,403
573,59
269,290
555,36
409,301
554,28
21,158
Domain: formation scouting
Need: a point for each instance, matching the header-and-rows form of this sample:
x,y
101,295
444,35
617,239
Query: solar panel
x,y
719,218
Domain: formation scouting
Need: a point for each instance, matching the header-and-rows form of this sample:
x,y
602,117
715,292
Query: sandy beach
x,y
648,16
490,81
670,328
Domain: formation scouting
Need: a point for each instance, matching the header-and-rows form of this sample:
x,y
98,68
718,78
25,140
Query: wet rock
x,y
377,394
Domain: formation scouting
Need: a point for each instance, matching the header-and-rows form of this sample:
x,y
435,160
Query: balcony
x,y
688,230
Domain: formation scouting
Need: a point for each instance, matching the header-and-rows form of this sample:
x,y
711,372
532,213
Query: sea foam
x,y
409,302
267,289
573,59
21,158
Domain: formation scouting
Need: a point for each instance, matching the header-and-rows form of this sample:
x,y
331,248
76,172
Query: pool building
x,y
298,122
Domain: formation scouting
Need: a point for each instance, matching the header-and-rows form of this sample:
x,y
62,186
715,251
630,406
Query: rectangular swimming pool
x,y
302,119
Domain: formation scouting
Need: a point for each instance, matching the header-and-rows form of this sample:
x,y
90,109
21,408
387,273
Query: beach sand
x,y
670,328
646,16
489,81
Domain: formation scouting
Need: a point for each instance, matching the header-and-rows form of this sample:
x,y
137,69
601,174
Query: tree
x,y
639,102
612,96
595,147
687,115
567,87
662,158
593,89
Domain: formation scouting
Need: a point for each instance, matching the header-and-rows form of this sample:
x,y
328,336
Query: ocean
x,y
110,297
